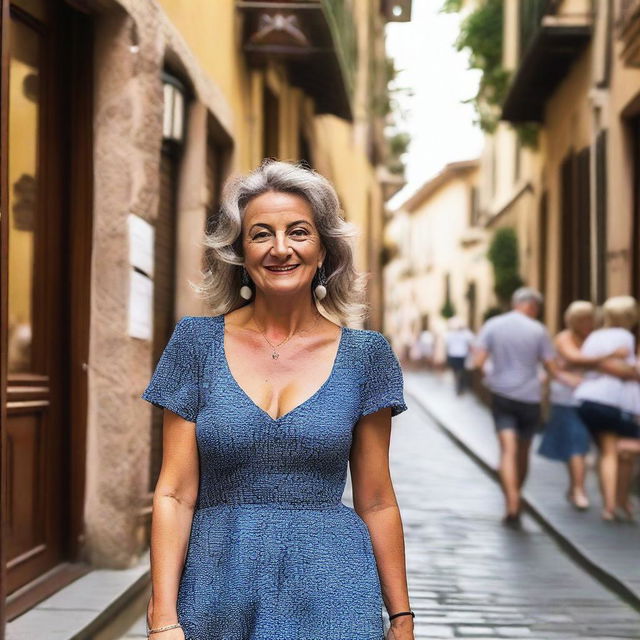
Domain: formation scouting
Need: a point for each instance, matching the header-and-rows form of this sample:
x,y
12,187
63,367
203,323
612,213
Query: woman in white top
x,y
566,437
603,396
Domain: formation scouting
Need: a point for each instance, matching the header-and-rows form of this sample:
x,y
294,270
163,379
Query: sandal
x,y
579,501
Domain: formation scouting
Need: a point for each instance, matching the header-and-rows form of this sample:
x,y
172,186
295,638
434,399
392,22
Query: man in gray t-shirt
x,y
517,344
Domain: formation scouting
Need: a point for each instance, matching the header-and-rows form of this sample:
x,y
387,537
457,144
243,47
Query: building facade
x,y
121,120
439,255
575,74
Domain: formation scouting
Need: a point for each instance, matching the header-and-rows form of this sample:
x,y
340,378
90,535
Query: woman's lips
x,y
283,269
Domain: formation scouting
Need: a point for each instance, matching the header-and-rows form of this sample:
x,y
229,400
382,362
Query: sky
x,y
441,126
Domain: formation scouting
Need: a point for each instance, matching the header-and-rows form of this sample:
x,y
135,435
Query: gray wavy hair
x,y
221,281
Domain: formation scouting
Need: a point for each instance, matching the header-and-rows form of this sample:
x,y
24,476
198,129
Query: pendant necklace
x,y
274,347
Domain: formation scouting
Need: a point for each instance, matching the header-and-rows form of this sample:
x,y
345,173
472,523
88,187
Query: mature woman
x,y
565,436
266,401
603,395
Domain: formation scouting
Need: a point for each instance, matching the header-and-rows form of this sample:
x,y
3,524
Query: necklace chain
x,y
274,348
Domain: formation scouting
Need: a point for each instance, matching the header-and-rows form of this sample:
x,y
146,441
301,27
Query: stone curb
x,y
81,610
576,551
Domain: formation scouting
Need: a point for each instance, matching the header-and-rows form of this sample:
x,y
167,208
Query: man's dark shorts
x,y
521,417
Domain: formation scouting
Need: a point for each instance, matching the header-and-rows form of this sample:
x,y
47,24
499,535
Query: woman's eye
x,y
258,236
299,232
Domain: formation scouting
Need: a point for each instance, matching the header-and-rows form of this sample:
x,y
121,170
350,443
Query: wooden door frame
x,y
4,229
78,202
79,269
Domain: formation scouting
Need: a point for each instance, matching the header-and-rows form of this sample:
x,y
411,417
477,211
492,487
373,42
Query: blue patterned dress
x,y
274,554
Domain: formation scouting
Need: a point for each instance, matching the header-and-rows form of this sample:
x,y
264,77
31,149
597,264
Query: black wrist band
x,y
402,613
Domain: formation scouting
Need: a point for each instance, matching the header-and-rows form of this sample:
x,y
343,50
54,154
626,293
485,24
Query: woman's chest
x,y
230,420
279,386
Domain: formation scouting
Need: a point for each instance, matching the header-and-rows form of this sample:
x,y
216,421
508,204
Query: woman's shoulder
x,y
200,323
199,329
370,341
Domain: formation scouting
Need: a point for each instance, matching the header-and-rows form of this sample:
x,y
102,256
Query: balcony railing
x,y
343,29
316,39
550,40
530,20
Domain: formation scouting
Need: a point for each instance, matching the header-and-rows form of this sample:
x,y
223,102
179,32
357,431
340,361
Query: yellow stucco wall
x,y
567,128
623,104
211,30
338,147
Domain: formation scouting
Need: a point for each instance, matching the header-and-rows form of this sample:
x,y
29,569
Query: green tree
x,y
503,255
481,35
448,308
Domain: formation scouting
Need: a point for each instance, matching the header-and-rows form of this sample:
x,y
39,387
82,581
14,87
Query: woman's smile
x,y
283,269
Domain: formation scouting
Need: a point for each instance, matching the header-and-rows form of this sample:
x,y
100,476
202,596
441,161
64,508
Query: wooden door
x,y
575,256
49,193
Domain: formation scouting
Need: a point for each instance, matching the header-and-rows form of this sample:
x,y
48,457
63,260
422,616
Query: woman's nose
x,y
280,245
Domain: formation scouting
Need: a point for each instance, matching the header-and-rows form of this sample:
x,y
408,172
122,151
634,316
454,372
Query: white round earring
x,y
245,289
320,290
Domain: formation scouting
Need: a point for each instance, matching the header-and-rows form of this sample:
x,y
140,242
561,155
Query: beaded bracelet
x,y
167,628
402,613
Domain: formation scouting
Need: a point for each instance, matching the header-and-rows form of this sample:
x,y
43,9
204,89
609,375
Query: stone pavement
x,y
469,576
609,549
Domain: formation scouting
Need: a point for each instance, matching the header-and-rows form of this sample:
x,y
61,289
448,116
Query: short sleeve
x,y
384,385
175,381
547,352
483,340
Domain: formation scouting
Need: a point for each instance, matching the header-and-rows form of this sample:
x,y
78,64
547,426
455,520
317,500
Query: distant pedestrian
x,y
566,438
427,342
458,340
605,401
517,344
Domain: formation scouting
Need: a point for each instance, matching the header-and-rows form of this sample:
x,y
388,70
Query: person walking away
x,y
517,344
566,438
458,340
427,342
602,394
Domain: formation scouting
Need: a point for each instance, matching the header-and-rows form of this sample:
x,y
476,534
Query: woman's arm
x,y
375,502
572,354
174,501
619,369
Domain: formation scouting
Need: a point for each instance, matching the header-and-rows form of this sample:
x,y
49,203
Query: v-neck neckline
x,y
314,395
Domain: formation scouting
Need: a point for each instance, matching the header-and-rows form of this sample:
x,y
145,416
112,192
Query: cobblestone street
x,y
471,577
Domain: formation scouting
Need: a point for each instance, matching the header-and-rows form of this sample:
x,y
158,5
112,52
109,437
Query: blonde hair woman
x,y
603,394
267,401
566,438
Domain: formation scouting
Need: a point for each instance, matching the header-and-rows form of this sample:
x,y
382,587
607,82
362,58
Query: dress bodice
x,y
298,460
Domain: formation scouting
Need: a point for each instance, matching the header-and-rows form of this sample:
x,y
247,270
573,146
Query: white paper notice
x,y
141,239
140,306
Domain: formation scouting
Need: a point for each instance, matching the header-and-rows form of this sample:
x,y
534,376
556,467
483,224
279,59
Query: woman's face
x,y
278,231
584,325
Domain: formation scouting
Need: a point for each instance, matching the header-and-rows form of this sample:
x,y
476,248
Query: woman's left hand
x,y
401,629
